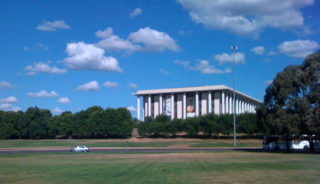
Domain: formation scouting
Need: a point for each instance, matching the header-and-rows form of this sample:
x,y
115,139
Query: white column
x,y
243,107
230,105
227,104
246,106
237,105
222,104
210,101
160,103
184,105
149,105
197,103
138,107
172,106
145,106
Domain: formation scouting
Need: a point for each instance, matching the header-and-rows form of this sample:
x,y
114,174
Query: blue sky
x,y
70,55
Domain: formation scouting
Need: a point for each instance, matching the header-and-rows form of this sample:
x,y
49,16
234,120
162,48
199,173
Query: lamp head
x,y
234,48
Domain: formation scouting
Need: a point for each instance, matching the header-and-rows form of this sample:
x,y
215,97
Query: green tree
x,y
247,123
225,124
192,126
291,104
209,124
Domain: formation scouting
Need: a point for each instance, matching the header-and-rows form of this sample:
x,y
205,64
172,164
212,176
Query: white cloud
x,y
10,99
298,48
154,40
132,109
185,64
37,47
53,26
43,93
133,86
247,17
42,67
64,100
5,85
110,84
9,107
268,82
271,53
57,110
90,86
228,58
41,46
204,67
136,12
259,50
114,43
164,71
84,56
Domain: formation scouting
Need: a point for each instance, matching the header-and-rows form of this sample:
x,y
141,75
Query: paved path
x,y
100,149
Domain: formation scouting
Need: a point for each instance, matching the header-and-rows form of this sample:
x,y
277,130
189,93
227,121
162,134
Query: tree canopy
x,y
291,104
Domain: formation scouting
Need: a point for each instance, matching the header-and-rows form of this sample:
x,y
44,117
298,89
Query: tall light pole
x,y
234,48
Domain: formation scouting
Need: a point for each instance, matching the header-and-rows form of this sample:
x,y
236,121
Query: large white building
x,y
193,101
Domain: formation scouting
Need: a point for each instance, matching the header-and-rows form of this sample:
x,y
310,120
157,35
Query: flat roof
x,y
192,89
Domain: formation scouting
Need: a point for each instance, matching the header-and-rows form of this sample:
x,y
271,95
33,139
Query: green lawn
x,y
202,167
122,143
72,143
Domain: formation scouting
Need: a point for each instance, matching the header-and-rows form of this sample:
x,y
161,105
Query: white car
x,y
273,143
80,149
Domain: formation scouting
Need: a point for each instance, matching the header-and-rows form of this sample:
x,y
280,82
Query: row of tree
x,y
292,103
208,125
94,122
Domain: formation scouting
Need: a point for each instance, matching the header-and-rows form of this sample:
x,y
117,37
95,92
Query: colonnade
x,y
219,102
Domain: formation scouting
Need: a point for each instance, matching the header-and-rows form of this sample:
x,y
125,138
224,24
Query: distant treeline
x,y
94,122
208,125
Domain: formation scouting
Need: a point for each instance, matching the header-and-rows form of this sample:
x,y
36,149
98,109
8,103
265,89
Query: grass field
x,y
133,142
204,167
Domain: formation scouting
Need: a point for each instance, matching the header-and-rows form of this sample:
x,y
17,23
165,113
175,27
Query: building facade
x,y
182,103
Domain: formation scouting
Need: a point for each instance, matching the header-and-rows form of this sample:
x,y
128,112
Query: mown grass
x,y
123,143
218,167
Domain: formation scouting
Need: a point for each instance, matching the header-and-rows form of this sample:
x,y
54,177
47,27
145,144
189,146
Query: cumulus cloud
x,y
5,85
206,68
64,100
9,107
110,84
259,50
53,26
145,39
84,56
132,109
57,110
228,58
37,47
136,12
268,82
298,48
164,71
90,86
43,93
10,99
133,86
112,42
185,64
154,40
42,67
247,17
